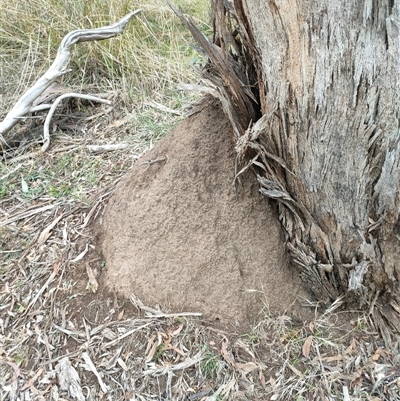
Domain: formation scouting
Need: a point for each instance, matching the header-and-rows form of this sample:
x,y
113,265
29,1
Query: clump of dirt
x,y
177,232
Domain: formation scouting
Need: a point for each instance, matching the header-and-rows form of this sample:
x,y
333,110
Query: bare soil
x,y
179,234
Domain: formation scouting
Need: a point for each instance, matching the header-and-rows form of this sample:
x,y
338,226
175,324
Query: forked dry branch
x,y
25,104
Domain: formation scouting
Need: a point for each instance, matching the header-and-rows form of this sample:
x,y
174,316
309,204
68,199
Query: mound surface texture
x,y
177,233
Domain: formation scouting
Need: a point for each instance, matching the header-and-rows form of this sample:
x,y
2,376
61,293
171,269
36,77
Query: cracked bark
x,y
323,134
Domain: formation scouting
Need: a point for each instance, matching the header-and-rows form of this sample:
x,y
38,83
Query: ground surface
x,y
180,234
65,336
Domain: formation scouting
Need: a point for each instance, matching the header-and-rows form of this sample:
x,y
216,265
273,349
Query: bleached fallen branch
x,y
59,67
46,130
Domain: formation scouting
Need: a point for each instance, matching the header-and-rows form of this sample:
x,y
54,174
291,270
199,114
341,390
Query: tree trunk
x,y
312,91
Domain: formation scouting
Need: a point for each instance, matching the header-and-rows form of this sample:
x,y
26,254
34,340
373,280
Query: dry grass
x,y
145,62
61,335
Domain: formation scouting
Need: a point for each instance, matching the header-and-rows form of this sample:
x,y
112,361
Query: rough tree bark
x,y
312,91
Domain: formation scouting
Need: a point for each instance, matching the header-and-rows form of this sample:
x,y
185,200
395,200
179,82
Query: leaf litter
x,y
63,336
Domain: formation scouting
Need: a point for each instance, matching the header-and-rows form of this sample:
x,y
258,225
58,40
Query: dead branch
x,y
24,105
106,148
46,131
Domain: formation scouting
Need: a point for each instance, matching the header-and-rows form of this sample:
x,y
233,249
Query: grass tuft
x,y
146,61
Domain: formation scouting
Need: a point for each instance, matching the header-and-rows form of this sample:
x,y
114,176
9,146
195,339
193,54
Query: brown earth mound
x,y
177,233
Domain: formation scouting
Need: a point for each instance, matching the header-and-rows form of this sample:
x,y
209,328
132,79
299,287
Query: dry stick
x,y
56,359
106,148
154,313
127,334
46,131
150,162
70,333
58,69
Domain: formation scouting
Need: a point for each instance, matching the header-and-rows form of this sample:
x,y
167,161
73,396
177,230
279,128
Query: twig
x,y
127,334
46,131
69,332
38,153
106,148
56,359
163,108
150,162
156,313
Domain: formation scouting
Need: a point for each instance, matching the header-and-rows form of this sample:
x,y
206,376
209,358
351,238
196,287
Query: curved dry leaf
x,y
151,348
262,379
15,368
122,364
92,284
81,255
247,367
176,331
307,346
377,354
226,354
91,366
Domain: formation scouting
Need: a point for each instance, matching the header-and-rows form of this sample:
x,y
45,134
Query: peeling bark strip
x,y
325,75
229,70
